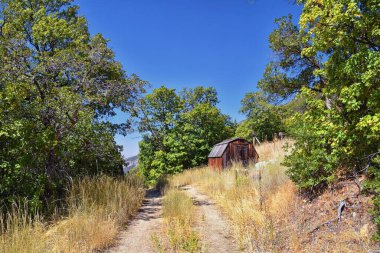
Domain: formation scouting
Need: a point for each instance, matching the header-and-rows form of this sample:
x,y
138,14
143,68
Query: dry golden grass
x,y
24,234
98,208
275,150
82,233
267,213
239,197
177,233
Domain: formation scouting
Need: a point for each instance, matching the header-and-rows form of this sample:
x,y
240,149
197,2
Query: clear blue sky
x,y
185,43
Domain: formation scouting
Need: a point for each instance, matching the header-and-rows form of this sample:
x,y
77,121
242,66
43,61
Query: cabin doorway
x,y
241,154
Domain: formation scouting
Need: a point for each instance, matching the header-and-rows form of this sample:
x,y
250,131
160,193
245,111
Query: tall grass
x,y
275,150
265,209
97,209
20,232
177,233
255,208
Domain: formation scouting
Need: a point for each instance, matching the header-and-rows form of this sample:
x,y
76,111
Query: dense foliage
x,y
264,120
290,70
267,111
331,62
342,119
373,186
58,87
179,130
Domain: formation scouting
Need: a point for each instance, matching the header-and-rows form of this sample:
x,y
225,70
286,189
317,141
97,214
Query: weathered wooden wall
x,y
216,163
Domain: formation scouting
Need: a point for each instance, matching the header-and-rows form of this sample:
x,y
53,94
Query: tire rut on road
x,y
137,237
214,229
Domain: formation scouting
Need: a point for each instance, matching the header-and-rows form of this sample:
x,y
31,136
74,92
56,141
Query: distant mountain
x,y
131,162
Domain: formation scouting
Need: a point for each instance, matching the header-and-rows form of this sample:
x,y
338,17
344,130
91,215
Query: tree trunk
x,y
51,165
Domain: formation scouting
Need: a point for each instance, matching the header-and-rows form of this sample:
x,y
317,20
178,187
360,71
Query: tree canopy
x,y
330,63
58,87
179,129
290,70
264,120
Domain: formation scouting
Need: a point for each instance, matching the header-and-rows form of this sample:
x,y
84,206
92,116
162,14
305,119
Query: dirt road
x,y
137,237
212,227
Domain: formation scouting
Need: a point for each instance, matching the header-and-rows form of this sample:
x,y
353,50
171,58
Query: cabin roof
x,y
219,148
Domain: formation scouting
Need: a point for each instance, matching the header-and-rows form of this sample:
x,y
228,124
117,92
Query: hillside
x,y
254,209
269,215
131,162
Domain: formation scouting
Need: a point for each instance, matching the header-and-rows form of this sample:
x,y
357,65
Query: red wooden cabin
x,y
236,149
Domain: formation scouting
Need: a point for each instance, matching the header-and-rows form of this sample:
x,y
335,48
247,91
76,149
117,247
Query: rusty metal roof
x,y
231,140
218,149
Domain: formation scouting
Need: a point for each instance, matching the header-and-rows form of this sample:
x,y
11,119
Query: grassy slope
x,y
98,208
268,214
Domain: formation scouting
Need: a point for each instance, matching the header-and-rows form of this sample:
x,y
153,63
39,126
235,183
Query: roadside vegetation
x,y
98,208
59,88
62,187
325,70
178,233
267,213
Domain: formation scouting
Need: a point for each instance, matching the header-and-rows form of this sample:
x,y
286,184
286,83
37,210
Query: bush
x,y
372,186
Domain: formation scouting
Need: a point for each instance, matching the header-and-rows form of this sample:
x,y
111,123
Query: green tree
x,y
157,114
347,33
202,128
331,62
179,130
202,124
290,71
58,86
263,119
199,95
